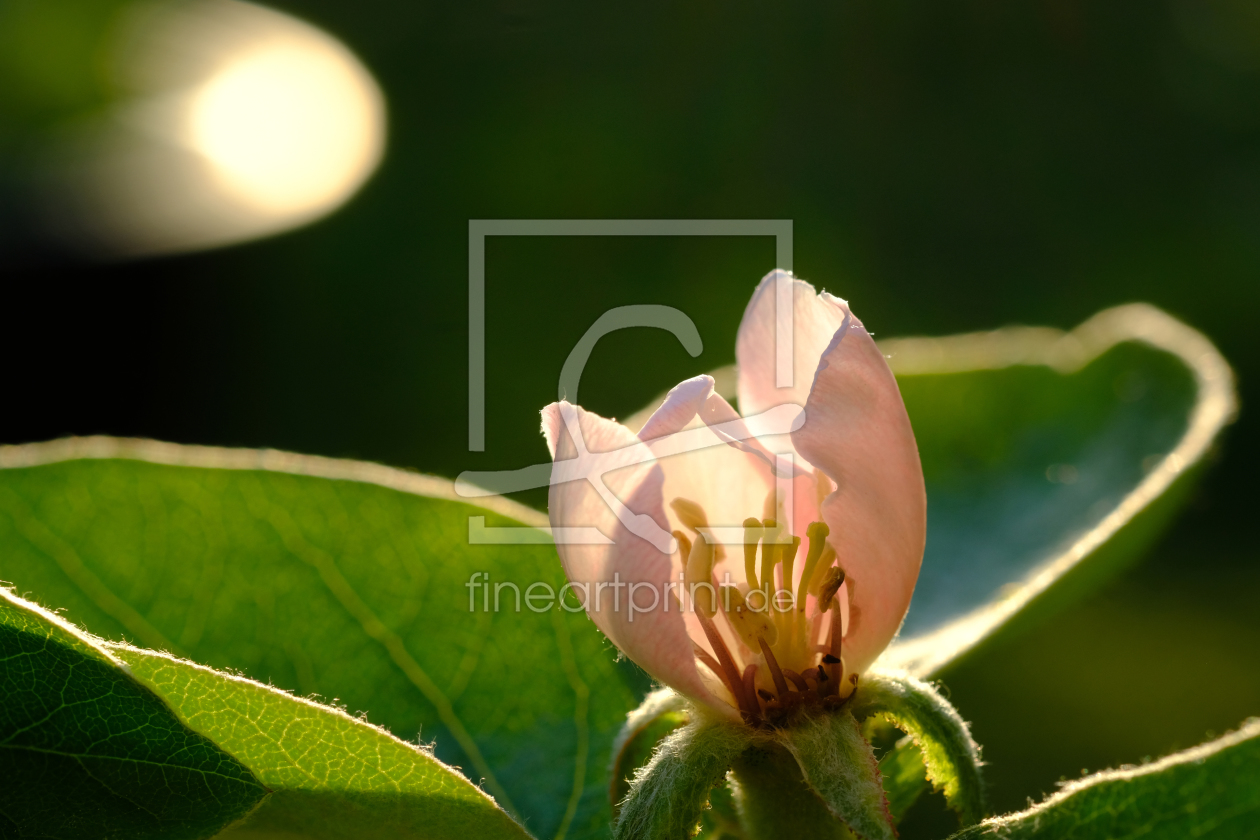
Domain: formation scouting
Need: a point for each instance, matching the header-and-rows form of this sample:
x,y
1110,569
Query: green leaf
x,y
85,750
950,756
339,578
1051,459
669,794
837,762
1211,792
332,776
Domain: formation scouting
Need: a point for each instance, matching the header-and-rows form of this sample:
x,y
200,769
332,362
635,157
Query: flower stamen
x,y
729,671
748,624
752,534
699,576
796,679
817,532
770,553
750,685
776,634
775,671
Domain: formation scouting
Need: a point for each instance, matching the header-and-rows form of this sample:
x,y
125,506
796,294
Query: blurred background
x,y
229,225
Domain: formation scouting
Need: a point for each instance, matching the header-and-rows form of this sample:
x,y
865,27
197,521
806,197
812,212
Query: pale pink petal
x,y
681,404
732,472
552,423
655,638
730,484
814,321
857,432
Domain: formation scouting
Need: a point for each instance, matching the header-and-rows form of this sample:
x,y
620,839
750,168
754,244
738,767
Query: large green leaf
x,y
86,751
1211,792
331,776
1051,460
338,578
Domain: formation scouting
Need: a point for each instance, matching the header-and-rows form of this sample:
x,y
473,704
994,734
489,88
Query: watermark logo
x,y
617,595
590,466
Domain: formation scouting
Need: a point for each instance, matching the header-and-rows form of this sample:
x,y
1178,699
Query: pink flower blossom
x,y
794,556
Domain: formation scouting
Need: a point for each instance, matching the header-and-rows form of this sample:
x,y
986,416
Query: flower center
x,y
775,639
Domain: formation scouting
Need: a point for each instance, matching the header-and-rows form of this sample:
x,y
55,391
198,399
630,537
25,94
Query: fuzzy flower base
x,y
817,777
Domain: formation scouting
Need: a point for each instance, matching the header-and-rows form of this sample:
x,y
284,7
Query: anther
x,y
748,623
826,561
830,586
830,660
689,513
765,695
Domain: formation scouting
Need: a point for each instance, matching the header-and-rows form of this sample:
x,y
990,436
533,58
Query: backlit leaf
x,y
343,579
331,776
87,751
1211,792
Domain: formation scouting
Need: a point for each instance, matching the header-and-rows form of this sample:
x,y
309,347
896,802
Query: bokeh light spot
x,y
243,122
290,128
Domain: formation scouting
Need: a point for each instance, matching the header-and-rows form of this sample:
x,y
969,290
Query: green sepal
x,y
669,794
837,761
722,818
660,713
1209,792
773,799
950,755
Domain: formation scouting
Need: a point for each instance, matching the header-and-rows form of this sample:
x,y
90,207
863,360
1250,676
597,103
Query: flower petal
x,y
815,320
607,577
730,483
858,433
681,404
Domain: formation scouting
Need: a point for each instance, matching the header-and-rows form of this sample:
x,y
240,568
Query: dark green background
x,y
948,167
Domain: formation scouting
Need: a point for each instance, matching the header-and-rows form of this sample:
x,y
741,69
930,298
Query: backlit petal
x,y
654,635
814,321
857,432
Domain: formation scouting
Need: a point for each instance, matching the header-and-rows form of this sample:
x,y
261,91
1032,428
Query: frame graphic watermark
x,y
591,466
